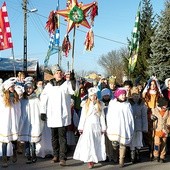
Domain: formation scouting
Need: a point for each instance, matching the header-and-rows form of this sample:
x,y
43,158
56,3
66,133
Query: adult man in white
x,y
56,109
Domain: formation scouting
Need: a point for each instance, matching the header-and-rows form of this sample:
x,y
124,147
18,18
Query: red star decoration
x,y
75,11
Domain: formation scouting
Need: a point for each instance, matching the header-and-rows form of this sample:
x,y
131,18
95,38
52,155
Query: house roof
x,y
7,64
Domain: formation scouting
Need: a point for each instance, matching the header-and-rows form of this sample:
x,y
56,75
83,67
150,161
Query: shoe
x,y
90,165
156,159
55,159
29,161
62,163
34,159
4,162
162,161
14,157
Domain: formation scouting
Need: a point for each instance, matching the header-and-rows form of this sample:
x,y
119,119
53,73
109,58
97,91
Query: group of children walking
x,y
121,118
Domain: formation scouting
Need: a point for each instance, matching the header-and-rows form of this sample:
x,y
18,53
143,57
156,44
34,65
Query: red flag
x,y
5,33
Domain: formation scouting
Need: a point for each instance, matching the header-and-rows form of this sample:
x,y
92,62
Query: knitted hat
x,y
8,83
105,92
162,102
67,73
119,91
28,79
92,91
28,84
134,90
55,68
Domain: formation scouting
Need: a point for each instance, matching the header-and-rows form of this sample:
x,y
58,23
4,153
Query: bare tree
x,y
113,63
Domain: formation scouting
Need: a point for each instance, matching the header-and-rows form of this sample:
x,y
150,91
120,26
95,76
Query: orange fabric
x,y
151,103
160,134
162,112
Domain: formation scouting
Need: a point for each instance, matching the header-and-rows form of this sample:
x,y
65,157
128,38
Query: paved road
x,y
44,164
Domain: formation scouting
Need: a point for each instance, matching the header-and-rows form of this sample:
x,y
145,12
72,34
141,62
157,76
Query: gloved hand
x,y
43,117
153,117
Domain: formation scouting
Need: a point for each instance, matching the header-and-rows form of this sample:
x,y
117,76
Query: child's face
x,y
106,97
122,97
39,84
12,88
29,90
135,97
93,97
164,108
153,85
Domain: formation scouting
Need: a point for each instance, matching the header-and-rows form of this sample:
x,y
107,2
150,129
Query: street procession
x,y
91,89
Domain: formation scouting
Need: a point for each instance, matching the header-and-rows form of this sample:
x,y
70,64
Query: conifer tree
x,y
159,61
147,27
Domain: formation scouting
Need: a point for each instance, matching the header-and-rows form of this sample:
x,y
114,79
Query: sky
x,y
112,27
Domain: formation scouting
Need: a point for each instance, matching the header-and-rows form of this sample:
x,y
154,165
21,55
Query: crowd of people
x,y
98,120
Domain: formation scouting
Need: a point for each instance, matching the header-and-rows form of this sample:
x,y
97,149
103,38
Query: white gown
x,y
120,122
9,121
31,124
44,147
91,144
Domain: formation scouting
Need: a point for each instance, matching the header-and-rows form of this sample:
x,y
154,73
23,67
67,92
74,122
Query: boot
x,y
4,162
55,159
122,151
138,158
115,152
28,154
34,156
14,157
133,156
29,161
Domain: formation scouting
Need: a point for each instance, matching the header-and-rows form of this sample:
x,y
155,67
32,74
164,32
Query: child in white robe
x,y
120,123
30,124
91,145
9,123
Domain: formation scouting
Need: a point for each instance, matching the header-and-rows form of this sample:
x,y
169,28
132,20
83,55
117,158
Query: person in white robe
x,y
31,124
91,144
120,123
9,123
56,109
140,123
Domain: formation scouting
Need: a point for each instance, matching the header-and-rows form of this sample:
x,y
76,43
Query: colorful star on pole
x,y
76,14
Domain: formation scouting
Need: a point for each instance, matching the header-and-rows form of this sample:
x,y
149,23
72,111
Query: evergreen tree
x,y
159,61
147,27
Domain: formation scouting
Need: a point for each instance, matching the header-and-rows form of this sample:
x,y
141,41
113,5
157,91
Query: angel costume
x,y
91,144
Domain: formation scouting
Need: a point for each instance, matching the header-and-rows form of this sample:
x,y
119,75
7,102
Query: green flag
x,y
134,45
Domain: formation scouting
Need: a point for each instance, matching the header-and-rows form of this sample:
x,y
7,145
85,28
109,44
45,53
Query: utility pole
x,y
25,37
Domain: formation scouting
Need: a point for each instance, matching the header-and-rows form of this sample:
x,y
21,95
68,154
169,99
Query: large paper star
x,y
76,14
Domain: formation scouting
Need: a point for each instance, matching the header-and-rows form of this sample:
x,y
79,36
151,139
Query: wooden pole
x,y
74,33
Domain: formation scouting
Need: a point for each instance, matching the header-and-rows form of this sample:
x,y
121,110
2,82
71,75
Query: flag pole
x,y
58,44
134,44
13,58
74,35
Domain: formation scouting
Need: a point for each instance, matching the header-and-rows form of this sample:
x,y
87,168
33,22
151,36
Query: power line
x,y
102,37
